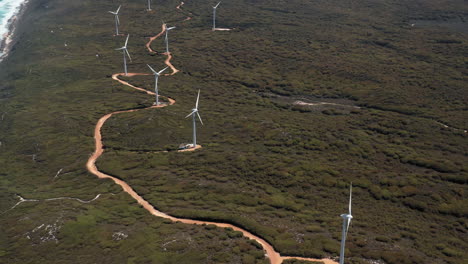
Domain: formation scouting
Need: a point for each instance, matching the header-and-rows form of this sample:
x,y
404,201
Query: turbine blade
x,y
347,227
151,69
118,9
126,41
162,70
170,28
112,12
191,113
216,6
199,117
350,197
120,48
128,54
198,98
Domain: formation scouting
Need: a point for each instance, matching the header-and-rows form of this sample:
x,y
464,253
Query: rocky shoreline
x,y
7,40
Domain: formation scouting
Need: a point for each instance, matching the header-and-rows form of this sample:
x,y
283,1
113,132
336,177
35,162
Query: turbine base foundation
x,y
191,148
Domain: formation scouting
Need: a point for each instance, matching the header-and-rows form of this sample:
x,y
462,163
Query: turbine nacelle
x,y
124,48
157,73
116,12
347,216
194,111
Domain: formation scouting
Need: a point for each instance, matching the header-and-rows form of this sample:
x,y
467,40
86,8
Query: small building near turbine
x,y
185,146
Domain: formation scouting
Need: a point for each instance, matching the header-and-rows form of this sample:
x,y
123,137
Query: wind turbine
x,y
346,221
125,53
117,21
214,15
167,38
195,113
156,76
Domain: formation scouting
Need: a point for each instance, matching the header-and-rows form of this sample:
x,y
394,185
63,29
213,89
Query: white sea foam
x,y
8,9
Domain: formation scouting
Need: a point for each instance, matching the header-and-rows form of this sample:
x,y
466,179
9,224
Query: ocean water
x,y
8,8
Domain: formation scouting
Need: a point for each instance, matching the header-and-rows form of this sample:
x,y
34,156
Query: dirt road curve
x,y
274,257
169,55
151,39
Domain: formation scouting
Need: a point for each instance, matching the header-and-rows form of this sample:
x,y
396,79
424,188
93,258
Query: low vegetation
x,y
279,170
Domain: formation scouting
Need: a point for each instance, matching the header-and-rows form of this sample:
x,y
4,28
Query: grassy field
x,y
280,170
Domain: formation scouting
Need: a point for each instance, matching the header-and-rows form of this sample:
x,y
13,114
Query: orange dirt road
x,y
274,257
169,55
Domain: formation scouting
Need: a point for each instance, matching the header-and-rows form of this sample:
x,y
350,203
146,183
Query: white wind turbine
x,y
156,76
125,53
117,21
346,221
195,113
214,15
167,38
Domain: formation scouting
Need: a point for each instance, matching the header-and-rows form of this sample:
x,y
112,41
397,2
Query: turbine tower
x,y
195,113
125,53
149,5
346,221
214,15
117,21
156,76
167,38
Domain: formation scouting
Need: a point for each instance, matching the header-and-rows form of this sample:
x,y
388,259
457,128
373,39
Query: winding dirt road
x,y
274,257
169,55
151,39
181,10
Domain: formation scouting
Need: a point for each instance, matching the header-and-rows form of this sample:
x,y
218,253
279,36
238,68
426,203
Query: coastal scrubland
x,y
299,100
